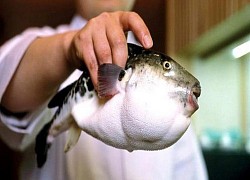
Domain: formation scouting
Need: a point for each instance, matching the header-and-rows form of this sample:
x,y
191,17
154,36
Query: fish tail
x,y
42,146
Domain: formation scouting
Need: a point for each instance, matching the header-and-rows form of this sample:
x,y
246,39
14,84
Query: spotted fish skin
x,y
146,106
61,121
78,91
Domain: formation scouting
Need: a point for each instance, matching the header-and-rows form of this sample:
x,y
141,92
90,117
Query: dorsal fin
x,y
58,99
134,50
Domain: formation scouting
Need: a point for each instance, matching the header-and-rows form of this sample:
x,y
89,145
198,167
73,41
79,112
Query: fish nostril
x,y
197,93
196,90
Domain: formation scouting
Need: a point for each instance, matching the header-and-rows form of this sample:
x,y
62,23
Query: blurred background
x,y
210,38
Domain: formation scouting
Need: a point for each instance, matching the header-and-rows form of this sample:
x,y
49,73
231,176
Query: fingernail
x,y
148,42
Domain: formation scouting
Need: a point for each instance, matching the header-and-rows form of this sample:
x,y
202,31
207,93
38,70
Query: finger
x,y
109,39
132,21
118,44
101,45
92,66
91,62
85,52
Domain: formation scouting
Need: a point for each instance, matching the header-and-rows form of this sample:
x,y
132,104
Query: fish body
x,y
146,106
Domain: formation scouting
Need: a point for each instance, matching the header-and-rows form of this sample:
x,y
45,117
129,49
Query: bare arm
x,y
50,60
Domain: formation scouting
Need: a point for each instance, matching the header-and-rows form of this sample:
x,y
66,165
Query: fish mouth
x,y
194,95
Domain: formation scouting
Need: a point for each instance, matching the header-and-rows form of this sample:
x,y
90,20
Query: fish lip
x,y
193,101
196,90
194,95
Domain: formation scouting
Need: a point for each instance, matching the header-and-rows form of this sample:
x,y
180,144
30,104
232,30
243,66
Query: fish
x,y
145,106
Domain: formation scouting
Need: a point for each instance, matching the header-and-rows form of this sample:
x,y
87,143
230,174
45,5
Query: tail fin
x,y
42,145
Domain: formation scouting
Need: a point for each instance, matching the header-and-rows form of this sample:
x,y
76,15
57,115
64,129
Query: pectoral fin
x,y
108,75
73,136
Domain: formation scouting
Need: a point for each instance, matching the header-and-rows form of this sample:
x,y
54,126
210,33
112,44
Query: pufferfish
x,y
145,106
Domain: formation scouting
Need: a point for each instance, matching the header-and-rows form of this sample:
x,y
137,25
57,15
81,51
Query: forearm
x,y
42,69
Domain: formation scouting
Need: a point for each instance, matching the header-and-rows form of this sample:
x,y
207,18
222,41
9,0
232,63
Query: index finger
x,y
131,21
127,21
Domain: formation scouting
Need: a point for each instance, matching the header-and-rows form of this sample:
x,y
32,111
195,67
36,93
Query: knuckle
x,y
98,20
81,36
92,22
92,65
133,15
120,43
104,15
105,54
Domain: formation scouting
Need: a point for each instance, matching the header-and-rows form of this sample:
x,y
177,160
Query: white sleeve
x,y
188,160
131,38
18,133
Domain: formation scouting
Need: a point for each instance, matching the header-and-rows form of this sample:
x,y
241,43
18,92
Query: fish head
x,y
156,70
160,97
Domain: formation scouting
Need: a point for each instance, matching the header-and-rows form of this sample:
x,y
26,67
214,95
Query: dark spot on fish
x,y
64,102
121,75
91,95
77,88
82,89
90,85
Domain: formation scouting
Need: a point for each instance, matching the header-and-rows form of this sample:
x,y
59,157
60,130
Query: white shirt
x,y
90,158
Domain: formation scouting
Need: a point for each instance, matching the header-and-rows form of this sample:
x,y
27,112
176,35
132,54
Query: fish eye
x,y
167,65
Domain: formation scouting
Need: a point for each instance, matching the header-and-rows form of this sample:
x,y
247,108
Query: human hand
x,y
103,40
